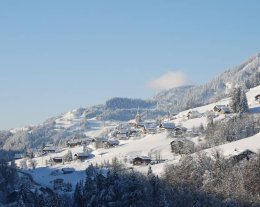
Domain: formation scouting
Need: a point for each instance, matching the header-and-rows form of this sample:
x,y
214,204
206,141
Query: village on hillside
x,y
138,143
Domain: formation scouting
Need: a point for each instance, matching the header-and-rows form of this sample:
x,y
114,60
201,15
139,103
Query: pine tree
x,y
134,193
235,99
243,104
239,103
21,203
150,171
154,182
68,157
101,183
78,194
90,192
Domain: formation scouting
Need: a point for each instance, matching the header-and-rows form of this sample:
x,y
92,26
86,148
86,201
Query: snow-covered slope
x,y
246,75
229,149
145,145
59,129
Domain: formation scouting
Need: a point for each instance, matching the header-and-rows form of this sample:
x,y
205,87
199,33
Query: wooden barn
x,y
57,159
142,160
111,143
82,155
222,109
243,155
257,98
74,143
179,131
49,149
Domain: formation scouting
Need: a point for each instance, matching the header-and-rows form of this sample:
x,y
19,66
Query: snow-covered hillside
x,y
246,75
145,145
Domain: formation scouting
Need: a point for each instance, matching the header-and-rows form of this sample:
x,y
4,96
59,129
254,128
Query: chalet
x,y
82,155
98,142
150,128
57,159
242,155
88,140
74,143
222,109
111,143
133,132
191,133
123,127
122,134
257,98
49,149
68,170
182,146
141,125
167,125
193,114
142,160
179,131
49,144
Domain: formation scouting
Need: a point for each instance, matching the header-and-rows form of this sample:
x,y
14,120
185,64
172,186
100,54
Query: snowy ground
x,y
148,144
229,149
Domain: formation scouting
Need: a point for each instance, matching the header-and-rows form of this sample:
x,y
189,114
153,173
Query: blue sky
x,y
60,55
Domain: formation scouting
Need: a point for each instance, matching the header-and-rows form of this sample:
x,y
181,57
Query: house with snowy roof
x,y
238,155
222,109
141,160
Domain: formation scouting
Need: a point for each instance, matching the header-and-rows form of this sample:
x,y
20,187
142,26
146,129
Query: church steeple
x,y
138,117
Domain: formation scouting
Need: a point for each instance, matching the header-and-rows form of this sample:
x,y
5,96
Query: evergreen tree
x,y
243,104
68,157
90,192
150,171
134,193
239,103
101,183
235,99
78,194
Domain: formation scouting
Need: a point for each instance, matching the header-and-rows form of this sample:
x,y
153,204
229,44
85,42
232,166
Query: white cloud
x,y
169,80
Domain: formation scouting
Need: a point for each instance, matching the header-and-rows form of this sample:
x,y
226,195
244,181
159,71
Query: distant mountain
x,y
246,75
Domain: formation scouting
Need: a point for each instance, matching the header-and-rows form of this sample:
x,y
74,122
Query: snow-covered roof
x,y
75,141
49,145
143,157
150,126
112,141
193,112
19,156
122,131
180,128
82,154
223,107
49,148
238,152
184,140
168,125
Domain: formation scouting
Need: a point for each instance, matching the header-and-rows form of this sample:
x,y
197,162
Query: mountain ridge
x,y
60,128
247,75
